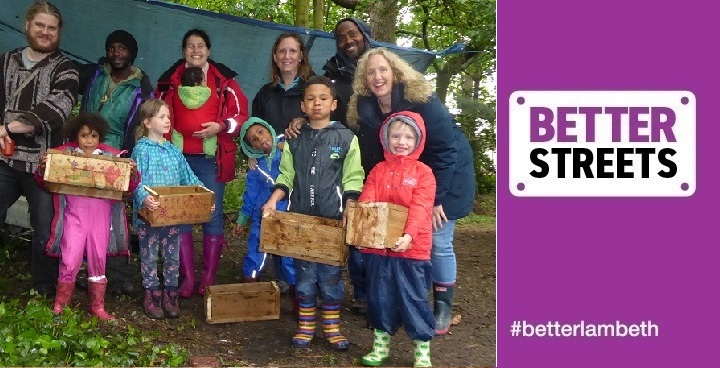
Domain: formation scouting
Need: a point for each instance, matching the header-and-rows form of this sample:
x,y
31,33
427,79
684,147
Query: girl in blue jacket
x,y
161,164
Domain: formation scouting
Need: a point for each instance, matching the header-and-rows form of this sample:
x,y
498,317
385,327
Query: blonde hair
x,y
43,7
402,73
148,110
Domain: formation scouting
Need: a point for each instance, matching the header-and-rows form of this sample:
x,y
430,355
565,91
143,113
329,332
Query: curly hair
x,y
93,121
304,69
402,73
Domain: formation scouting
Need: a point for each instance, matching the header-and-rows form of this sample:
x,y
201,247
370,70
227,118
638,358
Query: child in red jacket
x,y
399,278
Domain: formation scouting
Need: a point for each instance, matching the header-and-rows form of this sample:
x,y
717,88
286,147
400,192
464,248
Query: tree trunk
x,y
301,13
318,14
383,20
442,83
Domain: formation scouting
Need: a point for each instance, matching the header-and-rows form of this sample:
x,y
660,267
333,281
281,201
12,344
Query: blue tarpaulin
x,y
241,43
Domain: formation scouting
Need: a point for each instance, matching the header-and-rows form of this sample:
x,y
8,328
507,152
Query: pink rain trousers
x,y
86,230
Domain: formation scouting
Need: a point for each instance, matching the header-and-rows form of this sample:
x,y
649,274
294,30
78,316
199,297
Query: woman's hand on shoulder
x,y
252,163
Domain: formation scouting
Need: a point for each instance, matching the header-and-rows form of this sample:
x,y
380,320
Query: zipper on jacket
x,y
337,188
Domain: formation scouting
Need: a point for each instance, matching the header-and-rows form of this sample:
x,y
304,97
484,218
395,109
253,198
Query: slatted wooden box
x,y
95,176
179,205
255,301
309,238
375,224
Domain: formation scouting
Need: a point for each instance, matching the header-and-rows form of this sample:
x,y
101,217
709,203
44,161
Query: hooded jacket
x,y
447,150
121,107
341,69
118,242
321,170
260,181
160,164
405,181
232,113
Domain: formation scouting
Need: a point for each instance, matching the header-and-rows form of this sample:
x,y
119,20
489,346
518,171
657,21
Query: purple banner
x,y
609,281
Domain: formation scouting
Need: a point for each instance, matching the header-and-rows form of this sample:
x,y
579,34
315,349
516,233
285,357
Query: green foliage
x,y
268,10
477,120
33,336
477,219
233,193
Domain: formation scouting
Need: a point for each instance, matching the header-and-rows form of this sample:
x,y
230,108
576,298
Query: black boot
x,y
443,294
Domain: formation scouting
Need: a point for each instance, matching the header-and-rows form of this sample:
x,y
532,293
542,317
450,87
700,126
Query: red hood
x,y
419,125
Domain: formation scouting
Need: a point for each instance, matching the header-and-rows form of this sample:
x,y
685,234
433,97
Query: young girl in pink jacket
x,y
94,227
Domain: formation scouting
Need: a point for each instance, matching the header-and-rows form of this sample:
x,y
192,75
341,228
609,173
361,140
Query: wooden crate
x,y
310,238
375,224
179,205
255,301
95,176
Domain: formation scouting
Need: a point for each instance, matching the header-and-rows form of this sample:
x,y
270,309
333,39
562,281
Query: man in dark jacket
x,y
352,37
38,89
115,89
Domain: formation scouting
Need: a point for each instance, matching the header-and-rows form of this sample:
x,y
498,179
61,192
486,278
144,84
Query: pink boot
x,y
212,249
96,291
63,294
187,265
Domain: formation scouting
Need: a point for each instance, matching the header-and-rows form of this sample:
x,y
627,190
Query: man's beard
x,y
35,46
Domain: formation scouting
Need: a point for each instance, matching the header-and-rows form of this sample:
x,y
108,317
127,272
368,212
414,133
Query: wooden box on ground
x,y
95,176
179,205
310,238
375,225
255,301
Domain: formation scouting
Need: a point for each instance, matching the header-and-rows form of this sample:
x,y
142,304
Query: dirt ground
x,y
267,343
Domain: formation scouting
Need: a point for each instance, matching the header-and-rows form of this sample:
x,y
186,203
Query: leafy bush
x,y
477,121
33,336
233,194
